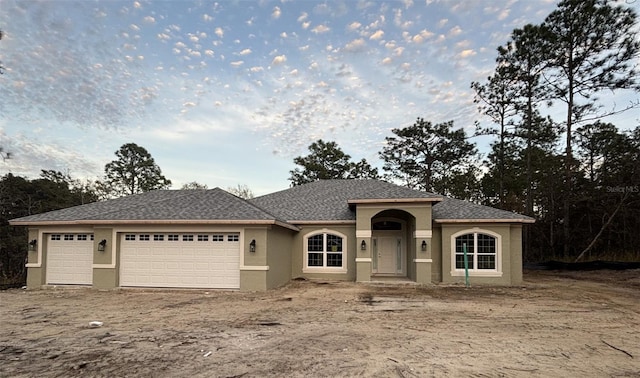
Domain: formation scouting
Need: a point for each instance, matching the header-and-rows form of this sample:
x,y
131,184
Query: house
x,y
354,230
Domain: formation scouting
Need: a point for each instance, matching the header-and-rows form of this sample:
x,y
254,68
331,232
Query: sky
x,y
228,93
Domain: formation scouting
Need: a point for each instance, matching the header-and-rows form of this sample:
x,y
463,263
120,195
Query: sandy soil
x,y
557,324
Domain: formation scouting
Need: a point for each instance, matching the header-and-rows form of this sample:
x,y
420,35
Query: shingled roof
x,y
323,201
454,210
159,205
328,200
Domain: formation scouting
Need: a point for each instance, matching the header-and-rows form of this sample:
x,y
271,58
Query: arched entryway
x,y
390,236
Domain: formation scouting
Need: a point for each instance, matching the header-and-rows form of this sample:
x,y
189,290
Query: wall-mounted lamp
x,y
423,246
252,246
102,245
363,245
32,245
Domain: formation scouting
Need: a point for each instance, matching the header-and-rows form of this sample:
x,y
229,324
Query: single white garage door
x,y
198,260
69,259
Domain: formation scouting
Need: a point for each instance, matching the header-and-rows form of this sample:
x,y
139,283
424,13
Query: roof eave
x,y
157,221
312,222
489,220
395,200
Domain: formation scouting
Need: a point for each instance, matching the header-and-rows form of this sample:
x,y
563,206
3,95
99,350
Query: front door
x,y
389,255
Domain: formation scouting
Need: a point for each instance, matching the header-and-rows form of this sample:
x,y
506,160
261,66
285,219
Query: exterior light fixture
x,y
252,246
423,246
32,245
363,245
102,245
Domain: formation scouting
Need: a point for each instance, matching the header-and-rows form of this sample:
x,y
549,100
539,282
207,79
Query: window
x,y
68,237
203,237
158,237
217,238
325,251
129,237
187,237
173,237
233,238
483,252
55,237
143,237
82,237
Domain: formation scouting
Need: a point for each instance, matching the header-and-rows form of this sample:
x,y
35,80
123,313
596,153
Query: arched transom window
x,y
325,251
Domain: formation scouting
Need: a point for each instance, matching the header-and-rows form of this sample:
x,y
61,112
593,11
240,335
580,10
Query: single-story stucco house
x,y
355,230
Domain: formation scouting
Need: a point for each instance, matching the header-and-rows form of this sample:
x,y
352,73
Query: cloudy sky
x,y
229,92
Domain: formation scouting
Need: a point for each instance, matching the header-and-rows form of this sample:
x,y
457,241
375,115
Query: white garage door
x,y
69,259
207,260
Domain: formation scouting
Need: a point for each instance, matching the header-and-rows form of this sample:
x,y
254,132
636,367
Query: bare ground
x,y
557,324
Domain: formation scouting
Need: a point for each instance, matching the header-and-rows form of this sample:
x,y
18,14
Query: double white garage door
x,y
204,260
183,260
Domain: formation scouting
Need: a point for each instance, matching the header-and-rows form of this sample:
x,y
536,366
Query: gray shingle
x,y
451,209
214,204
327,200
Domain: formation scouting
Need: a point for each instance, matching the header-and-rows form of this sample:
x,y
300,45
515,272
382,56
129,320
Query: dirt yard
x,y
580,324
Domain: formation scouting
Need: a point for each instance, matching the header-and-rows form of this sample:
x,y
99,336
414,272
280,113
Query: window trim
x,y
497,272
322,269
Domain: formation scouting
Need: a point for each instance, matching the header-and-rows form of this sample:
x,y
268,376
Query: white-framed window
x,y
233,238
55,237
217,237
82,237
203,238
158,237
68,236
484,253
144,237
187,237
173,237
325,251
129,237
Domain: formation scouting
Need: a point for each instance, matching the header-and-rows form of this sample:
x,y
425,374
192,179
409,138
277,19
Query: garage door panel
x,y
192,261
69,259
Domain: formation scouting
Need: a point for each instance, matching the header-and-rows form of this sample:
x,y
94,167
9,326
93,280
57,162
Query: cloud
x,y
278,60
467,53
276,13
219,32
245,52
320,29
237,63
456,30
422,36
355,45
377,35
149,20
354,26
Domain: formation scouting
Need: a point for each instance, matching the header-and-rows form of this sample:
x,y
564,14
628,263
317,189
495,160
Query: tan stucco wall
x,y
105,274
279,258
298,252
36,275
510,259
436,254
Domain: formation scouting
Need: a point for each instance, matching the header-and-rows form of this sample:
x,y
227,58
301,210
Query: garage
x,y
180,260
70,259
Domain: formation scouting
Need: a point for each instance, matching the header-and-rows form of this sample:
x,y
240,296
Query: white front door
x,y
389,255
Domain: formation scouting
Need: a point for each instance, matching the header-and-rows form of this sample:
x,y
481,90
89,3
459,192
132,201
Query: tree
x,y
133,172
424,154
327,161
194,185
591,46
242,191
